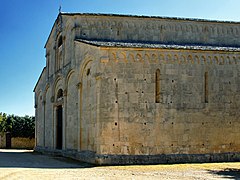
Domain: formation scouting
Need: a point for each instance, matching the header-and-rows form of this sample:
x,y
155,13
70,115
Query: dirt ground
x,y
24,164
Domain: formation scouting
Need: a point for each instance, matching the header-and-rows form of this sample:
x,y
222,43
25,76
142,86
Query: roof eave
x,y
39,79
52,29
106,44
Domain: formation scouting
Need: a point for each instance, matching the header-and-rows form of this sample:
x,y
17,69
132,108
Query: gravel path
x,y
24,164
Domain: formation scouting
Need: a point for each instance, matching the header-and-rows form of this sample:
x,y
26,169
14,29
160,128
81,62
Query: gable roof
x,y
136,16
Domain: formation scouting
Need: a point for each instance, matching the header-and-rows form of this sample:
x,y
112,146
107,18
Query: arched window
x,y
157,86
60,41
59,59
59,93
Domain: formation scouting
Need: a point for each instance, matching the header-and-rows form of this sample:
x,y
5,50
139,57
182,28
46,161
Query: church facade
x,y
121,89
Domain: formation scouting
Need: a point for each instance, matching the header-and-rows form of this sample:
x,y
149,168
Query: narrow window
x,y
157,86
59,53
60,41
59,94
206,87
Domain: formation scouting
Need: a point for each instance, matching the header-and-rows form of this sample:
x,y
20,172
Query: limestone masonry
x,y
122,89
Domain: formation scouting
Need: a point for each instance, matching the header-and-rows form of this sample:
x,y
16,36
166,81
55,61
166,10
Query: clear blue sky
x,y
26,24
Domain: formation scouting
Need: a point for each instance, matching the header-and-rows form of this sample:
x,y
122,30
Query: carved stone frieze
x,y
173,57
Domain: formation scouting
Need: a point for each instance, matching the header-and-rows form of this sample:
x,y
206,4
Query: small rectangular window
x,y
206,87
157,86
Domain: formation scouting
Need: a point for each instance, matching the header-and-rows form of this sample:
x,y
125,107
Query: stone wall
x,y
23,143
154,29
89,91
197,112
17,143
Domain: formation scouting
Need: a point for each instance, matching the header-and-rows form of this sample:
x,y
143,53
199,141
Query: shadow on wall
x,y
228,173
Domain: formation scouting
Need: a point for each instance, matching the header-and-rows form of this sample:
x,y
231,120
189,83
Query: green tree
x,y
23,127
18,126
3,122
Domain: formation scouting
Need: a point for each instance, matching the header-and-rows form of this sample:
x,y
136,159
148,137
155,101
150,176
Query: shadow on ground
x,y
228,173
29,159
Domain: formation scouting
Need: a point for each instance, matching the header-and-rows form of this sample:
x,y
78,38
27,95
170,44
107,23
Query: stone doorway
x,y
59,132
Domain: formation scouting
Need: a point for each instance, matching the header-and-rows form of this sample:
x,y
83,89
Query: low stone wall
x,y
23,143
18,143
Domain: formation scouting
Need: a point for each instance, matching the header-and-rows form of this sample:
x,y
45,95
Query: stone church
x,y
120,89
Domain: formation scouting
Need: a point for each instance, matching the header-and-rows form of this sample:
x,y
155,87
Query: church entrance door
x,y
59,132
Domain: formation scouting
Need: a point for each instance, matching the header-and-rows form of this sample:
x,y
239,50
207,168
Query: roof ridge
x,y
146,16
